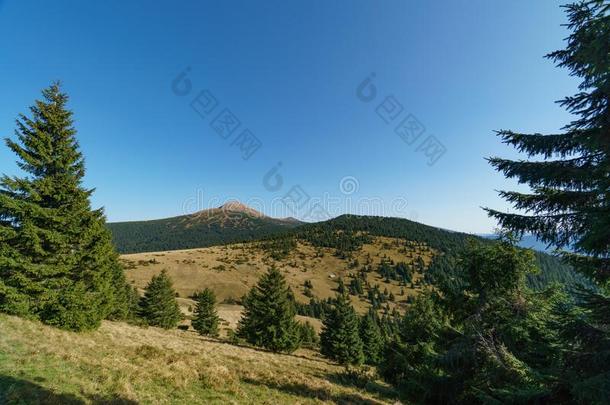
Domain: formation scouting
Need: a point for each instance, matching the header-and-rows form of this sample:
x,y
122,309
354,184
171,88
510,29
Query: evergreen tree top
x,y
569,202
587,56
48,143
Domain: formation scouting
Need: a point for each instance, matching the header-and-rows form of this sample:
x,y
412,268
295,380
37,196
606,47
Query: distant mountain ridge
x,y
341,231
234,222
231,222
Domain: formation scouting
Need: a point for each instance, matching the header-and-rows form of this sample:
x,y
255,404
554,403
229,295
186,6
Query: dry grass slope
x,y
231,270
124,364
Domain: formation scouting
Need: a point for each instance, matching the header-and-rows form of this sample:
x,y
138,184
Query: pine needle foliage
x,y
491,340
569,203
57,261
206,318
340,339
269,311
569,172
372,339
158,306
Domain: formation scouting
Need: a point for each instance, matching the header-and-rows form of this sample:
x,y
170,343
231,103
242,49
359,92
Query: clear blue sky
x,y
289,72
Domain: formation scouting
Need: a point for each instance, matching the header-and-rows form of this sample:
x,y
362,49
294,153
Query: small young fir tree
x,y
158,306
340,339
206,319
372,340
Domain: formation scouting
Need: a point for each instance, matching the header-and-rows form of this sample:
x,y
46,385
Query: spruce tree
x,y
158,306
268,319
206,317
130,304
57,261
569,204
307,334
340,339
372,341
491,340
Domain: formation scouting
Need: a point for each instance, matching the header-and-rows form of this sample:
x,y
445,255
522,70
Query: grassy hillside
x,y
447,243
124,364
234,222
349,248
229,223
232,270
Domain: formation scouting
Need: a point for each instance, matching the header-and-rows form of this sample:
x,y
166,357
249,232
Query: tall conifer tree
x,y
340,339
569,205
372,341
57,261
269,311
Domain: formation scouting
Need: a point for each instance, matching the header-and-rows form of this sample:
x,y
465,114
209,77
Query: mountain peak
x,y
236,206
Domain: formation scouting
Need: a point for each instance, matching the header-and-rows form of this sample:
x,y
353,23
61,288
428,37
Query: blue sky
x,y
289,72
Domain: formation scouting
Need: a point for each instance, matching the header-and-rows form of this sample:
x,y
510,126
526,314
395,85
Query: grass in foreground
x,y
124,364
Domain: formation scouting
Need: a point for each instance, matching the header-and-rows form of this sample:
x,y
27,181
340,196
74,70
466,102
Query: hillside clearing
x,y
231,270
125,364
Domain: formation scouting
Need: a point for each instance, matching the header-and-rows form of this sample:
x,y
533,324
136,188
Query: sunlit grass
x,y
121,363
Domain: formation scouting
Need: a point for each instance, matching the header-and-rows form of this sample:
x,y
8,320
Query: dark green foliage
x,y
57,262
205,319
340,339
569,204
355,286
490,340
268,319
409,358
279,248
325,233
555,271
131,308
315,308
307,334
372,340
401,272
584,333
158,306
193,231
335,233
388,324
308,289
344,241
447,243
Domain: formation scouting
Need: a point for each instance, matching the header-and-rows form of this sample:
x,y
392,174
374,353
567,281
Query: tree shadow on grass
x,y
363,382
305,391
244,345
18,391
